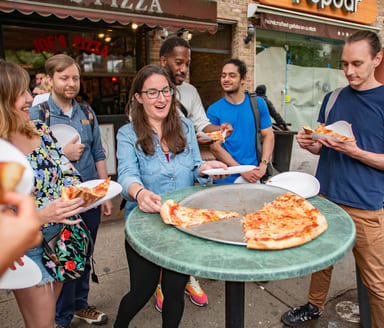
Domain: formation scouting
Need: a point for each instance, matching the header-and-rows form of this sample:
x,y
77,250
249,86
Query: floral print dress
x,y
51,168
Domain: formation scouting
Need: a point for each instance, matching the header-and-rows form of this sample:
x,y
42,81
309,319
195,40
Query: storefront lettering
x,y
139,5
52,43
346,5
89,45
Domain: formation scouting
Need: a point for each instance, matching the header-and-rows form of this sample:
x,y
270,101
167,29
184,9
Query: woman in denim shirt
x,y
157,152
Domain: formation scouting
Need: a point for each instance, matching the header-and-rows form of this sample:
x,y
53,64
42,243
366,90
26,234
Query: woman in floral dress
x,y
52,171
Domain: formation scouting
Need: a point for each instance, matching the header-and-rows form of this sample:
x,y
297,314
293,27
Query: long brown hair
x,y
172,129
14,81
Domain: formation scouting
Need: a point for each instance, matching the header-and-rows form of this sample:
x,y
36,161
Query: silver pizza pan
x,y
241,198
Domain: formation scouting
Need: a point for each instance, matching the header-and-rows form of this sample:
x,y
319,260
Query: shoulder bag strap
x,y
331,102
256,115
88,113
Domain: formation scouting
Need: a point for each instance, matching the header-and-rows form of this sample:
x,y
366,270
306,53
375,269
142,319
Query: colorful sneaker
x,y
300,314
91,316
196,294
159,298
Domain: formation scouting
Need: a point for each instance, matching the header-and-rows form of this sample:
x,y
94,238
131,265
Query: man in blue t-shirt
x,y
235,108
351,174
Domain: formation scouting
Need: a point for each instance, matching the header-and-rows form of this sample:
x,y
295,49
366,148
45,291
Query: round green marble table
x,y
173,249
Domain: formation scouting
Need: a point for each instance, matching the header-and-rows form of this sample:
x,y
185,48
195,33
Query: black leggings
x,y
144,277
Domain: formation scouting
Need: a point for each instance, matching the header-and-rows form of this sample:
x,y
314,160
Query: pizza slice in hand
x,y
88,195
216,135
175,214
323,130
10,175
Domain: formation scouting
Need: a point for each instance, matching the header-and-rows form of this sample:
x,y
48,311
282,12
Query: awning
x,y
196,14
301,23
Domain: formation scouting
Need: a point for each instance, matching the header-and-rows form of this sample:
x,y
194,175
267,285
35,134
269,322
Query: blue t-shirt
x,y
242,142
346,180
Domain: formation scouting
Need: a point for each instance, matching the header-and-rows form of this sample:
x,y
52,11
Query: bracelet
x,y
138,192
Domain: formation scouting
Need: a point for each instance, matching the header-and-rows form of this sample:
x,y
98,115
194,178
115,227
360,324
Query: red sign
x,y
55,42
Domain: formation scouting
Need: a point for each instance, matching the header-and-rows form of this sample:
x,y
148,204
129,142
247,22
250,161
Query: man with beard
x,y
175,57
88,158
235,108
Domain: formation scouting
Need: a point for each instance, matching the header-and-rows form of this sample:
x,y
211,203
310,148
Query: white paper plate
x,y
24,276
9,153
303,184
64,133
230,170
340,127
113,190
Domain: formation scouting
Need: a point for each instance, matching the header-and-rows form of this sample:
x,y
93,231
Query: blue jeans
x,y
74,295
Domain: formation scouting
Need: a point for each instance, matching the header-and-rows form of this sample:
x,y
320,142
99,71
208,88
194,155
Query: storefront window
x,y
298,71
108,59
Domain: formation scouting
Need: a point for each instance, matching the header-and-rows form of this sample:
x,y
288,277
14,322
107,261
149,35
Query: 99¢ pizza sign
x,y
56,42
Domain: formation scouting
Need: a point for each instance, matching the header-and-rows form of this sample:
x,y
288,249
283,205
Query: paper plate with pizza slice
x,y
339,131
215,135
15,171
92,192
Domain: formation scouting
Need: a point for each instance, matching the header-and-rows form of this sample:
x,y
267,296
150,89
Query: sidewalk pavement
x,y
264,302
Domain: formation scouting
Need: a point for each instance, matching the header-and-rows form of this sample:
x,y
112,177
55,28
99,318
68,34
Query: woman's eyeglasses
x,y
154,93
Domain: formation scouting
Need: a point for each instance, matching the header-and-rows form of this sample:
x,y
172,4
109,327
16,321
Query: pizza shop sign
x,y
56,42
346,5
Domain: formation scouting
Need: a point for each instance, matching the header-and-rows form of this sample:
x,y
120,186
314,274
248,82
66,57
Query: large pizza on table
x,y
88,195
286,222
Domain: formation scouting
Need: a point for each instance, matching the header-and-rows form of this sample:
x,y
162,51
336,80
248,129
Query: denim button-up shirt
x,y
93,151
155,172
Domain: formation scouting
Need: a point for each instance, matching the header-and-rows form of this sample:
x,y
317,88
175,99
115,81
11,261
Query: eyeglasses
x,y
154,93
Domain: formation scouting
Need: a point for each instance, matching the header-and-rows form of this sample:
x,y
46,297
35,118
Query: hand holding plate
x,y
73,150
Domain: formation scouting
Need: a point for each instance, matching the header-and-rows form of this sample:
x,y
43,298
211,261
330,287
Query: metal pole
x,y
234,304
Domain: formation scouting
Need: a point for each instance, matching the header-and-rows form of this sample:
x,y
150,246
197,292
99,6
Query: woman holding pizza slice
x,y
52,170
157,152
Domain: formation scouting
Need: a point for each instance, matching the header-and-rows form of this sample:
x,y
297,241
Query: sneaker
x,y
301,314
196,294
91,316
159,298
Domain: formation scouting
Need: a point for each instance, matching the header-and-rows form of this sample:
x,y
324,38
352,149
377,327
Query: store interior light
x,y
114,79
101,35
108,39
134,26
189,36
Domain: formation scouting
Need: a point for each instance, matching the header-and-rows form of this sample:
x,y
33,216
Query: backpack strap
x,y
256,115
331,101
44,112
88,113
183,109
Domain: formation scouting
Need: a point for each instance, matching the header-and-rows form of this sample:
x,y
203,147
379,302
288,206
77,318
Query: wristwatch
x,y
264,162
